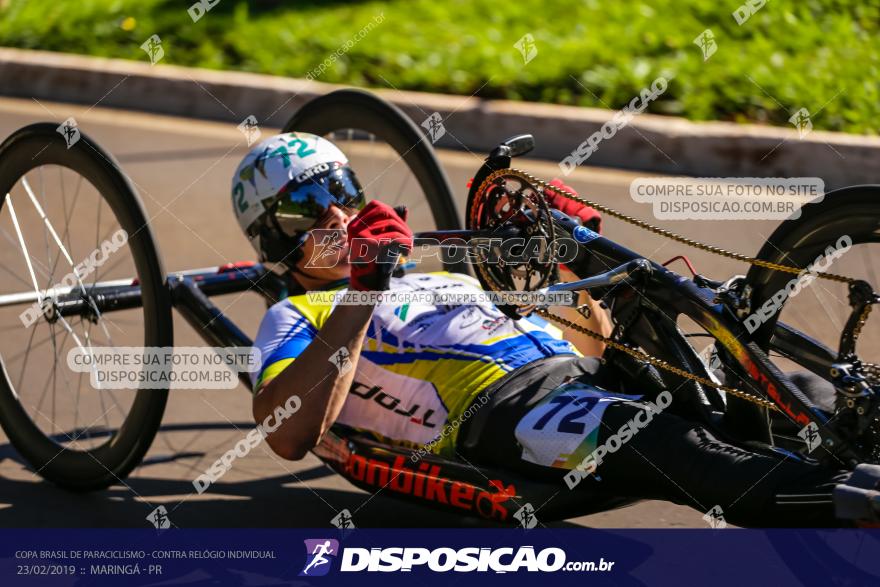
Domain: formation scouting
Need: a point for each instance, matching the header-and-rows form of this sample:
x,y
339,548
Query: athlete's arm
x,y
314,376
598,320
316,380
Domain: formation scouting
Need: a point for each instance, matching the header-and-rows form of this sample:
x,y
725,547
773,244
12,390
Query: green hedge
x,y
821,55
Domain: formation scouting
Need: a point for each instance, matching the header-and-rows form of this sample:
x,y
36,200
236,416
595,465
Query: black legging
x,y
679,461
670,459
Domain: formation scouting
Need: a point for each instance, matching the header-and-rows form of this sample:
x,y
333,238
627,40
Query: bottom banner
x,y
439,557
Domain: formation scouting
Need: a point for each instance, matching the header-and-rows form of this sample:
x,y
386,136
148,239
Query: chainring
x,y
507,207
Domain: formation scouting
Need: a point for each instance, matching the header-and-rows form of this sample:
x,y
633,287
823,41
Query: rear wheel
x,y
62,200
820,309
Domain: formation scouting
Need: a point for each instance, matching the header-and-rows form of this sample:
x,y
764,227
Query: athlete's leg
x,y
680,461
650,454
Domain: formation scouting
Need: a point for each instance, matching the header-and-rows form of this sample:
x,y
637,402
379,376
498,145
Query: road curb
x,y
649,143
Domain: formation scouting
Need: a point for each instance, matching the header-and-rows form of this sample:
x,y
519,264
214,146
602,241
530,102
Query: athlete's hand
x,y
587,215
375,229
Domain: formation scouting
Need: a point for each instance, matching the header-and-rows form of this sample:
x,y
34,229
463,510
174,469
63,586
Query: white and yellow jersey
x,y
421,365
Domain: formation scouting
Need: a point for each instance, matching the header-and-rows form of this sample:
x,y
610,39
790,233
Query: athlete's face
x,y
325,251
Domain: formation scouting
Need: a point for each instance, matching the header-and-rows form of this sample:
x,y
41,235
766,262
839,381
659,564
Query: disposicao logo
x,y
320,552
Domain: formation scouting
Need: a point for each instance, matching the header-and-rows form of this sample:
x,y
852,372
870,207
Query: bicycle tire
x,y
853,211
798,242
85,470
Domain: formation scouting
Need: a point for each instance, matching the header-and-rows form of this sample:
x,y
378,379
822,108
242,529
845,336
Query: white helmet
x,y
286,183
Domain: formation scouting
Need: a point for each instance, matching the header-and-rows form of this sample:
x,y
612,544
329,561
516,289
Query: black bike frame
x,y
675,295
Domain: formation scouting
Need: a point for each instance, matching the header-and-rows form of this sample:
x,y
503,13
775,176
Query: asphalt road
x,y
182,169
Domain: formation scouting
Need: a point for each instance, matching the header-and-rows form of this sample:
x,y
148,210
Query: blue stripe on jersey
x,y
537,321
510,353
546,343
294,343
383,358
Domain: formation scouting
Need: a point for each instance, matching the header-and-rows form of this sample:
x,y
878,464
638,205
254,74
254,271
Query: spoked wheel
x,y
394,160
839,235
70,218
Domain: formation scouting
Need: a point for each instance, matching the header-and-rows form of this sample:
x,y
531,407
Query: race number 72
x,y
571,407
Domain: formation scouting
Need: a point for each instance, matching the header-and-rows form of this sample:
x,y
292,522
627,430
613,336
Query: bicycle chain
x,y
872,372
657,362
863,318
870,368
657,230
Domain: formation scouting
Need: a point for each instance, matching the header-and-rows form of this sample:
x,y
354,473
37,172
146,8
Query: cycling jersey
x,y
422,365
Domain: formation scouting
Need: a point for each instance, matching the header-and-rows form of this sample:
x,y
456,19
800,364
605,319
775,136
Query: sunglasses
x,y
299,207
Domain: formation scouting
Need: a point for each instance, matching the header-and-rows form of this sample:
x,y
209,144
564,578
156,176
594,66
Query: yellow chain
x,y
857,331
659,363
655,229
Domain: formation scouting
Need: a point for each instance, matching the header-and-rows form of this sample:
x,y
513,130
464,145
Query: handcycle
x,y
645,299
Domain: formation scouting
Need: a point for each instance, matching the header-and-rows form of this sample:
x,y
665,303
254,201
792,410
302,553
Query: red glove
x,y
588,216
375,228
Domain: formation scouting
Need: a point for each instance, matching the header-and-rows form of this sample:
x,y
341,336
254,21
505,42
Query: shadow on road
x,y
279,501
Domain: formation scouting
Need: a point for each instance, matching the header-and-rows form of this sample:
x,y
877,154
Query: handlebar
x,y
609,278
